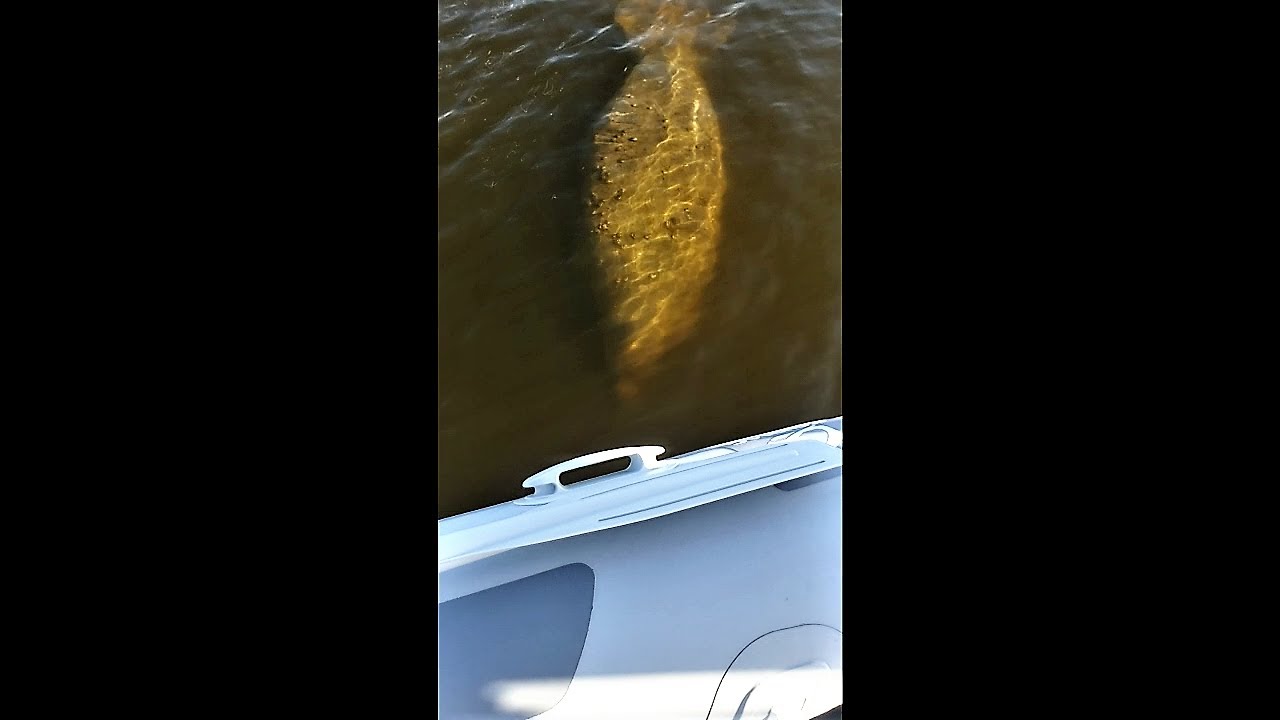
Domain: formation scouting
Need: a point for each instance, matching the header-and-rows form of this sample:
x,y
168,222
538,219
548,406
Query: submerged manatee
x,y
657,189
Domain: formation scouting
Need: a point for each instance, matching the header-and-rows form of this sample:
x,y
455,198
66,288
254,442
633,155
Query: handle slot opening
x,y
591,472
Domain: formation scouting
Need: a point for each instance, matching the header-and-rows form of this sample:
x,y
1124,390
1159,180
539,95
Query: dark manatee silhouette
x,y
657,189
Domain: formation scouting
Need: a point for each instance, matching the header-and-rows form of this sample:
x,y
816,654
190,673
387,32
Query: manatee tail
x,y
628,390
636,17
651,23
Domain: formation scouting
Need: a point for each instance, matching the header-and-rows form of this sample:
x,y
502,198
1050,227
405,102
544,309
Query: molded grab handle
x,y
547,483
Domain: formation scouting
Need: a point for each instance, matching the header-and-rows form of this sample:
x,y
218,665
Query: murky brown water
x,y
529,343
